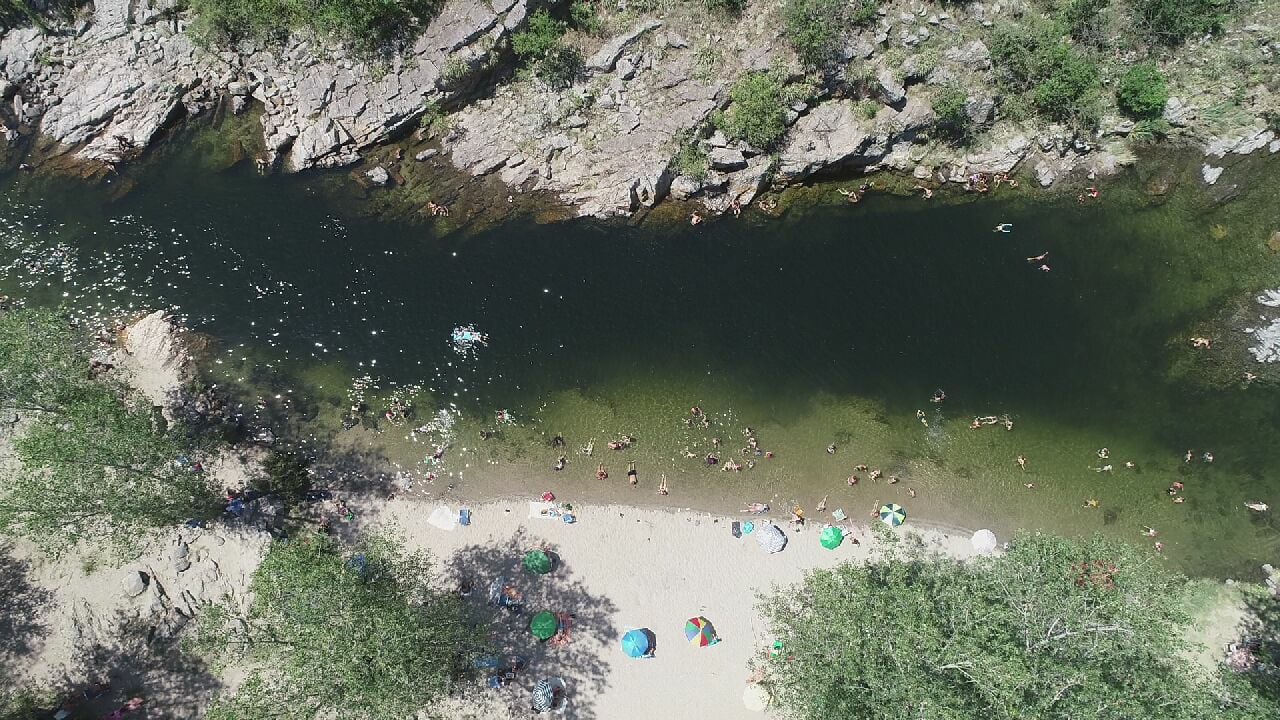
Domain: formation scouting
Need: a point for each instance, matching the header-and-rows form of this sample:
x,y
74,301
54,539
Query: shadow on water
x,y
836,323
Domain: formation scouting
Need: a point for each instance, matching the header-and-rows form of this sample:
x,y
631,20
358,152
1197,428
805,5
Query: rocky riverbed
x,y
103,87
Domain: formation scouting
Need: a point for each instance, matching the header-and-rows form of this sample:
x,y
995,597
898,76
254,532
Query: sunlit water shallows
x,y
834,325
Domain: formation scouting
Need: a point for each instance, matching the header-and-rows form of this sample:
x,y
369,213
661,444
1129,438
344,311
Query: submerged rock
x,y
378,176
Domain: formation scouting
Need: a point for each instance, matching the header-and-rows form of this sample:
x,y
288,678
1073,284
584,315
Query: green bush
x,y
729,7
560,66
1142,92
757,113
1081,19
949,107
540,36
815,28
367,26
584,16
1060,81
287,475
690,159
539,47
1172,21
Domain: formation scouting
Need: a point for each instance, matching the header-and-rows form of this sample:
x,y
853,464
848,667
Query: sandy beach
x,y
623,568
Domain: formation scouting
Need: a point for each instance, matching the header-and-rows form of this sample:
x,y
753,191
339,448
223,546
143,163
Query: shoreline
x,y
608,146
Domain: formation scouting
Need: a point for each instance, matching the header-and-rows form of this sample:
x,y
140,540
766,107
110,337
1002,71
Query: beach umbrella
x,y
544,625
831,537
893,514
699,631
544,696
755,697
984,541
538,562
771,538
636,643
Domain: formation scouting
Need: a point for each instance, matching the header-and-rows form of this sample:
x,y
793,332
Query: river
x,y
831,325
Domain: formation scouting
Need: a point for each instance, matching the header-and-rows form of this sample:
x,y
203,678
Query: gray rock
x,y
1046,173
891,90
238,89
979,108
135,583
424,155
626,68
677,41
1177,114
685,187
239,104
181,564
727,159
607,56
181,550
1112,125
1210,174
574,121
718,139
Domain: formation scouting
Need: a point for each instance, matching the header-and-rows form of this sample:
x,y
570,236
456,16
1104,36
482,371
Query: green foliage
x,y
949,108
690,159
1142,92
1060,81
93,465
757,112
17,13
540,48
1082,19
1173,21
816,28
345,635
541,35
23,704
367,26
1057,628
560,66
584,16
733,8
287,475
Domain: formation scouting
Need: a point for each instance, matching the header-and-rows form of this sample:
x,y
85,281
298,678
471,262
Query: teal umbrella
x,y
892,514
831,537
538,562
544,625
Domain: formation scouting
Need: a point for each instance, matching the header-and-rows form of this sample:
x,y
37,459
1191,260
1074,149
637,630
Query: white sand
x,y
626,568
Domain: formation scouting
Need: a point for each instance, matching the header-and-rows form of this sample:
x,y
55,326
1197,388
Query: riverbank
x,y
639,123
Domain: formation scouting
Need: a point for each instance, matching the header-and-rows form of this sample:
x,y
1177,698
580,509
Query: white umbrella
x,y
755,697
984,541
771,538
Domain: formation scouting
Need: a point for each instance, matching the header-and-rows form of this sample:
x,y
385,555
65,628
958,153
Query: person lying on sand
x,y
662,485
757,508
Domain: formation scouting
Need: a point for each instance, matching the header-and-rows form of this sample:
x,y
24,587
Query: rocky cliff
x,y
103,88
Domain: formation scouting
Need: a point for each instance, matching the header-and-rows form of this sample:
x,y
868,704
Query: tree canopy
x,y
91,463
1055,628
356,634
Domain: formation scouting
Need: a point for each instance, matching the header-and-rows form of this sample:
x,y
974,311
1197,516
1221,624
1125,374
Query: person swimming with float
x,y
1003,228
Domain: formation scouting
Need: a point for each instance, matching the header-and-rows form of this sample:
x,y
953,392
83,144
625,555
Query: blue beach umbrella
x,y
636,643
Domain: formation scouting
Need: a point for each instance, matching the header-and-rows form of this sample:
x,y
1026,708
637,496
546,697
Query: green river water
x,y
831,324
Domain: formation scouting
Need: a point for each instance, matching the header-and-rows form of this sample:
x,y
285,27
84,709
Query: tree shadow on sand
x,y
22,606
587,617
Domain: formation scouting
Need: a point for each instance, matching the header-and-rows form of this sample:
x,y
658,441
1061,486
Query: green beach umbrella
x,y
544,625
537,561
831,537
892,514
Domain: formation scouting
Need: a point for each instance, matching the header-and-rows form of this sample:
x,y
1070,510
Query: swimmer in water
x,y
920,416
938,396
1004,228
631,473
1038,258
1022,462
602,473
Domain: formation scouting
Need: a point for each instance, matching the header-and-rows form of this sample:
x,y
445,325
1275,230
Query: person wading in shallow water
x,y
631,473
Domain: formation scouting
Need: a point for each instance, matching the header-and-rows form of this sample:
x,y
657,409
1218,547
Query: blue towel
x,y
464,517
567,518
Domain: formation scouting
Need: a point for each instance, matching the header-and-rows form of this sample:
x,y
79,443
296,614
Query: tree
x,y
91,462
1142,92
1055,628
359,634
539,46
